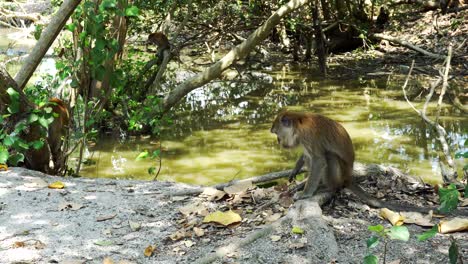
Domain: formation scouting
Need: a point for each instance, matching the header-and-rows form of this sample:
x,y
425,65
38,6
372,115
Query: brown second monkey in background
x,y
160,40
58,130
328,153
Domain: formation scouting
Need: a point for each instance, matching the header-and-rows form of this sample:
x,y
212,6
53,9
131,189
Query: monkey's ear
x,y
286,121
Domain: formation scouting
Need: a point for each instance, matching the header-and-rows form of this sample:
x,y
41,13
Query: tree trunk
x,y
47,38
239,52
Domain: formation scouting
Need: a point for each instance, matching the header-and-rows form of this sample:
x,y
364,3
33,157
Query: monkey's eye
x,y
286,121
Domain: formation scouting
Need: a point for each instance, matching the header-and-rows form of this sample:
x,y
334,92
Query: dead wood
x,y
408,45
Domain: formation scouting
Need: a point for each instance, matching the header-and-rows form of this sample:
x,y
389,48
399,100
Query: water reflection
x,y
222,133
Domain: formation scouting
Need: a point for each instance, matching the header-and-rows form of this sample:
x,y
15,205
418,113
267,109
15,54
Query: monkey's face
x,y
284,130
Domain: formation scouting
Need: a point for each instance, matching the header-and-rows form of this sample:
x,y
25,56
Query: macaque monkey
x,y
328,154
160,40
58,128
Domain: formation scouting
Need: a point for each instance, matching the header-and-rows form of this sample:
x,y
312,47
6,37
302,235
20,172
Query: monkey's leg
x,y
334,178
297,168
317,172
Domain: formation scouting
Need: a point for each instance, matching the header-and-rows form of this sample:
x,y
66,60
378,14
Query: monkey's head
x,y
284,128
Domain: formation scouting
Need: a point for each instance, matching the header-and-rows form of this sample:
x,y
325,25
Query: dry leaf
x,y
463,202
57,185
179,234
39,245
19,244
212,194
394,218
238,187
188,243
198,231
273,217
134,226
3,167
105,218
454,225
192,208
149,250
275,238
417,218
223,218
107,260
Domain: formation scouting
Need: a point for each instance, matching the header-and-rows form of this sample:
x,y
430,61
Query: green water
x,y
224,134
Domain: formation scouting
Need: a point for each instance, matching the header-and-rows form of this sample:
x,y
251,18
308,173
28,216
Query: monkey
x,y
328,153
58,129
160,40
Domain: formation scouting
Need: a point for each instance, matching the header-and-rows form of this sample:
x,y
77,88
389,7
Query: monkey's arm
x,y
297,168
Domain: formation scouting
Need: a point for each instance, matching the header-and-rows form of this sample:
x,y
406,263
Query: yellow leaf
x,y
107,260
223,218
56,185
149,250
3,167
394,218
454,225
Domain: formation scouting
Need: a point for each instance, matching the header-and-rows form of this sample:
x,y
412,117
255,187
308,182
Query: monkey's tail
x,y
373,202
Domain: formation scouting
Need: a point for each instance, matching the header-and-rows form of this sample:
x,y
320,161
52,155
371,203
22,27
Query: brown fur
x,y
58,128
328,153
159,39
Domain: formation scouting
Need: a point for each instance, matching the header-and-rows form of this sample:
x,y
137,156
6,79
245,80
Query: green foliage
x,y
38,31
371,259
448,198
453,252
429,234
382,233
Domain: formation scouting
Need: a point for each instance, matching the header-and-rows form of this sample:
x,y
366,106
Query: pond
x,y
223,134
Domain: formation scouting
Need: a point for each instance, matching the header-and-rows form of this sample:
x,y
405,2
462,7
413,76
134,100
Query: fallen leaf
x,y
57,185
463,202
3,167
273,217
296,245
188,243
134,226
193,208
39,245
394,218
417,218
238,187
149,250
275,238
179,234
105,218
108,260
212,194
198,231
297,230
223,218
455,225
19,244
178,198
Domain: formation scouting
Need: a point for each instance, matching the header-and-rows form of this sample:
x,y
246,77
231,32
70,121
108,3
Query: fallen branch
x,y
441,133
360,172
408,45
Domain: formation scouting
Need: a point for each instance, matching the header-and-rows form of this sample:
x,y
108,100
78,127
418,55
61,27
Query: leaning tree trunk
x,y
48,36
239,52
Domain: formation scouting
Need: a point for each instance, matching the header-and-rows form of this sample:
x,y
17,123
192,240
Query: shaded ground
x,y
93,219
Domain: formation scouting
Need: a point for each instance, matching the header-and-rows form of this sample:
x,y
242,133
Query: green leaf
x,y
399,233
453,252
142,155
376,228
9,141
132,11
3,155
16,158
43,122
103,243
371,259
37,144
372,242
428,234
70,27
13,108
38,31
151,170
156,153
32,118
448,198
297,230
